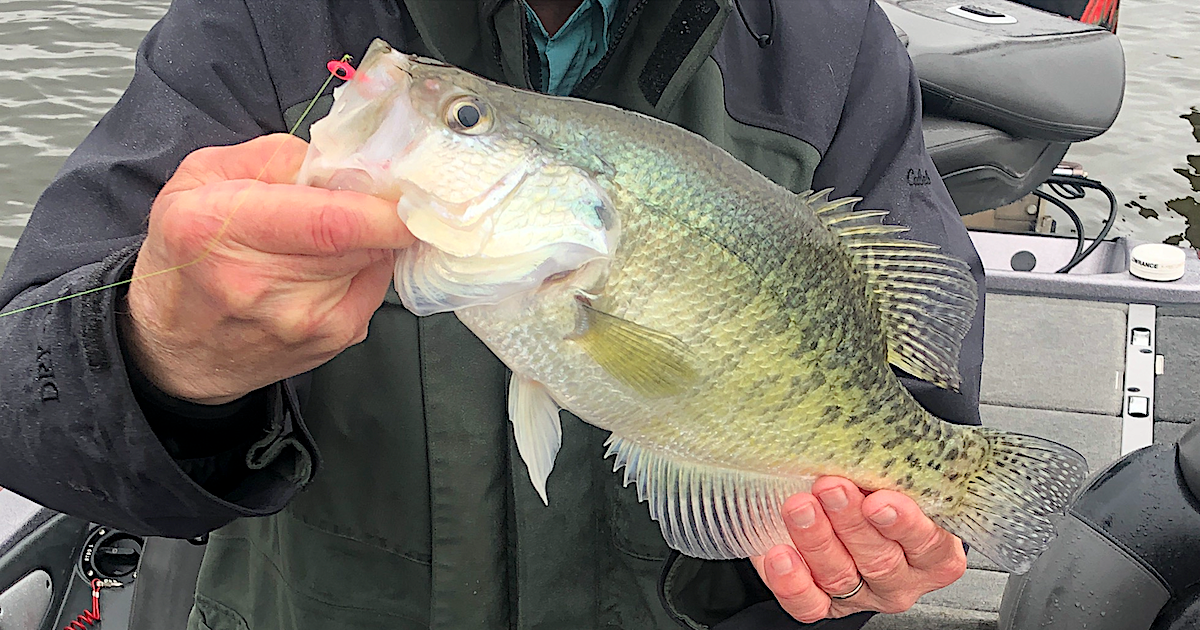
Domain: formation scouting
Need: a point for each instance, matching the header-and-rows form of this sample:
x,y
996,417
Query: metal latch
x,y
1137,412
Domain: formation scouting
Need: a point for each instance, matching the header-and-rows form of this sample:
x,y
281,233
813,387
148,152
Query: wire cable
x,y
1079,240
1075,185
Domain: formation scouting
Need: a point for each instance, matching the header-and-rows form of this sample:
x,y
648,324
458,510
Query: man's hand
x,y
841,535
287,276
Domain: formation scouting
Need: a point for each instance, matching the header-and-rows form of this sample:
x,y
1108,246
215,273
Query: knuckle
x,y
297,327
810,617
197,167
793,590
951,571
333,230
854,528
842,584
347,336
238,295
883,565
203,156
811,613
930,542
185,225
334,334
819,545
198,160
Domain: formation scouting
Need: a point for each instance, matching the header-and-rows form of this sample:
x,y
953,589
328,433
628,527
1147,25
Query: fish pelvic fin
x,y
652,363
926,299
1010,507
537,429
706,511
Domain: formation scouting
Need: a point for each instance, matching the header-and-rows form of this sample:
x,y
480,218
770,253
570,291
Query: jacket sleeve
x,y
877,152
76,435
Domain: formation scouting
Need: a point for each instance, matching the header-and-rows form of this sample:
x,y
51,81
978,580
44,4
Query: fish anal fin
x,y
536,428
652,363
926,298
705,511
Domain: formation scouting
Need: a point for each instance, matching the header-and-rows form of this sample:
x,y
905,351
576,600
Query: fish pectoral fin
x,y
655,364
707,511
926,298
536,427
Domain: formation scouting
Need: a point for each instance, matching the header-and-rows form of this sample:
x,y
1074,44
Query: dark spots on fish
x,y
863,445
889,463
893,443
912,460
833,412
952,454
766,381
818,380
935,465
907,481
953,476
927,492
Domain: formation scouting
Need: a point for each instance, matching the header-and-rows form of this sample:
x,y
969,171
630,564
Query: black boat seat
x,y
1030,73
984,167
1003,101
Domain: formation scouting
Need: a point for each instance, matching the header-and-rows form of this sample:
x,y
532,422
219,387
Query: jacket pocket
x,y
210,615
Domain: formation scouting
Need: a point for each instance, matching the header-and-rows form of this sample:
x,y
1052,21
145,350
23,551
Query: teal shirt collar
x,y
577,47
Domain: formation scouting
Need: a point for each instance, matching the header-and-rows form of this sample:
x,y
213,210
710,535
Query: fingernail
x,y
782,563
884,516
834,499
803,517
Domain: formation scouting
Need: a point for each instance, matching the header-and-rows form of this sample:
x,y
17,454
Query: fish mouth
x,y
372,125
353,179
380,52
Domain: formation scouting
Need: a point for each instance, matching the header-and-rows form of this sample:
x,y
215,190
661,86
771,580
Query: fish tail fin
x,y
1007,512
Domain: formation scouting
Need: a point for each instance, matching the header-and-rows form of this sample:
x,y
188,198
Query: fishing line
x,y
338,69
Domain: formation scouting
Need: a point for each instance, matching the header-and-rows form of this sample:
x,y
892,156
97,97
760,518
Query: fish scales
x,y
760,231
736,338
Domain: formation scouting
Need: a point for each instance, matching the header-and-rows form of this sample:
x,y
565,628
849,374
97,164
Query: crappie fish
x,y
734,337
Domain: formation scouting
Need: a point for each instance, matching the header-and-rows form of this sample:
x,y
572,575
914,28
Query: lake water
x,y
62,65
65,63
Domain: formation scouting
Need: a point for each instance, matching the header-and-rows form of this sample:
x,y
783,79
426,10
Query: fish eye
x,y
469,116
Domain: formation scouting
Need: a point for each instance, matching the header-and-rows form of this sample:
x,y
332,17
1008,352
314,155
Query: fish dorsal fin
x,y
536,428
705,511
926,298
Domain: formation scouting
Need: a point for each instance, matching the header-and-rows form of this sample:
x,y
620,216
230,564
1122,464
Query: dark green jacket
x,y
383,489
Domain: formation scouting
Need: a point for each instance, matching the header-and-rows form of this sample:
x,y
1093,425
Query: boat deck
x,y
1056,368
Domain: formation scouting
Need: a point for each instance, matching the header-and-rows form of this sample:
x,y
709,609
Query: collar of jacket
x,y
657,46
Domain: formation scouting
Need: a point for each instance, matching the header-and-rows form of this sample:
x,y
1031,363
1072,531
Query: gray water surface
x,y
1151,156
63,64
